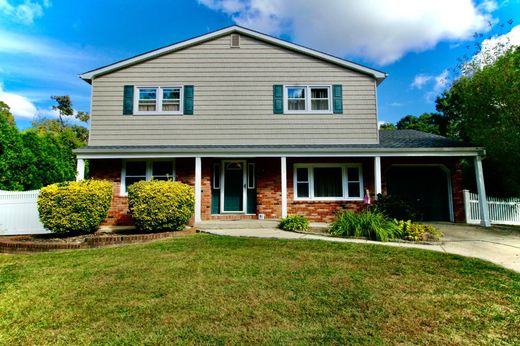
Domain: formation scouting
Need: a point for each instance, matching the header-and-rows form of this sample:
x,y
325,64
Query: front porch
x,y
273,181
269,188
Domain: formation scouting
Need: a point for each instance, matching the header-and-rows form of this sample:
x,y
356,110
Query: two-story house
x,y
261,128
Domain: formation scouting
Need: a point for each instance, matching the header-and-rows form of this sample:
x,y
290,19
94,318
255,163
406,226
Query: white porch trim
x,y
283,161
198,189
80,170
481,189
377,175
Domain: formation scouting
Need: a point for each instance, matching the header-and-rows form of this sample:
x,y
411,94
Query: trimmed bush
x,y
294,223
395,207
417,231
159,205
367,224
74,207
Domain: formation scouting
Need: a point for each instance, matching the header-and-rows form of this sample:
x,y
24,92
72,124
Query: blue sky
x,y
44,45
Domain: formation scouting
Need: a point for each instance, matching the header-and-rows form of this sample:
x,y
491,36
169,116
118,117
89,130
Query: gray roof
x,y
389,139
416,139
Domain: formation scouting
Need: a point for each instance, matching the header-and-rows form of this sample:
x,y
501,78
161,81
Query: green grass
x,y
221,290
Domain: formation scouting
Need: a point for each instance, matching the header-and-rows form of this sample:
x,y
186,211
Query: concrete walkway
x,y
499,245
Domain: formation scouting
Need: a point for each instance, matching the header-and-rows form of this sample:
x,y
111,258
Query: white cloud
x,y
495,46
381,31
488,6
25,12
441,81
15,43
420,80
20,106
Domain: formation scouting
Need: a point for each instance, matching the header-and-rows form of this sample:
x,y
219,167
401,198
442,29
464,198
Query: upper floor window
x,y
308,99
158,100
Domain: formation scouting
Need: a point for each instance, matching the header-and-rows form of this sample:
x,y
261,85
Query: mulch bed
x,y
53,242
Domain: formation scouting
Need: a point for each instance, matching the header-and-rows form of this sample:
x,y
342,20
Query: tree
x,y
427,122
11,151
64,109
483,108
41,155
387,126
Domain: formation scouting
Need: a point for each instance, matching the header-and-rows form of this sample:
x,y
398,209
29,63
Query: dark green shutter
x,y
337,98
128,100
278,99
188,99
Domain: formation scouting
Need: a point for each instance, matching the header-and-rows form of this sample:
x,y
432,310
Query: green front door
x,y
233,186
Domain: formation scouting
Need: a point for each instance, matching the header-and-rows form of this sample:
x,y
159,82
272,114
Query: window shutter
x,y
188,99
337,98
278,99
128,100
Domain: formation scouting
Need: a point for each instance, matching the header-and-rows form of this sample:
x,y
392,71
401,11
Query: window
x,y
308,99
171,101
251,180
328,181
159,100
216,176
137,170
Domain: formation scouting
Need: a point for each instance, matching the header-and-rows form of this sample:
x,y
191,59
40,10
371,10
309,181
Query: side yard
x,y
212,289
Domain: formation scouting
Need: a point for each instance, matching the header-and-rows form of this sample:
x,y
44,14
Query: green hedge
x,y
294,223
74,207
159,205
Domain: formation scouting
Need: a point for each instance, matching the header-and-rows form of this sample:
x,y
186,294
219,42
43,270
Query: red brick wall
x,y
110,169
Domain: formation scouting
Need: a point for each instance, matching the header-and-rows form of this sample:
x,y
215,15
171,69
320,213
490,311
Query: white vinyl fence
x,y
19,213
502,211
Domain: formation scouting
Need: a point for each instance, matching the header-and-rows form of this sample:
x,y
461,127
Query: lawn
x,y
220,290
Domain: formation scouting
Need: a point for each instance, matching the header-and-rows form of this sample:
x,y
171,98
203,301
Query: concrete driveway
x,y
499,245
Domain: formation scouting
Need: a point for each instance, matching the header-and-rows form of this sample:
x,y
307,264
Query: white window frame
x,y
307,110
344,178
158,100
149,172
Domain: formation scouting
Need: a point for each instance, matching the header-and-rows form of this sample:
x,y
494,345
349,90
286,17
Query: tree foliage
x,y
387,126
64,108
435,123
38,156
483,108
427,122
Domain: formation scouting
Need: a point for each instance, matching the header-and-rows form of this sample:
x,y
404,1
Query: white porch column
x,y
481,189
283,161
80,170
198,189
377,175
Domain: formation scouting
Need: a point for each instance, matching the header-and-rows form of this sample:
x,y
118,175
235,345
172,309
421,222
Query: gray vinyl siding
x,y
233,101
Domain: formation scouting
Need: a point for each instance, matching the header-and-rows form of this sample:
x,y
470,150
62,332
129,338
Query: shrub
x,y
294,223
367,224
159,205
74,207
417,231
395,207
